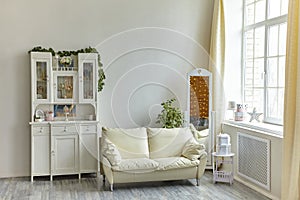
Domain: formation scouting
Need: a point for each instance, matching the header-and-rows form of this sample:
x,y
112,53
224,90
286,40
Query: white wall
x,y
164,56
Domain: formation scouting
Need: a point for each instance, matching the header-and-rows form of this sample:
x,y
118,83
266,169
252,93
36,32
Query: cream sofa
x,y
151,154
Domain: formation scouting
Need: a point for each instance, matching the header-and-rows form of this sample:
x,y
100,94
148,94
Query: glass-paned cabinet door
x,y
87,77
41,68
65,86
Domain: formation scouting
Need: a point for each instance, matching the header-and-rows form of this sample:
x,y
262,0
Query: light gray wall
x,y
143,66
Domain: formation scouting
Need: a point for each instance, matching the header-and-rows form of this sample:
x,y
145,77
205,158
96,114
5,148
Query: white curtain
x,y
290,189
217,61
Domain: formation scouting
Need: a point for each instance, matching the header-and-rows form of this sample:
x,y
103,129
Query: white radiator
x,y
253,159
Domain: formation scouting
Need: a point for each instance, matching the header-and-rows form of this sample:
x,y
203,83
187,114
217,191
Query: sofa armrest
x,y
202,164
105,162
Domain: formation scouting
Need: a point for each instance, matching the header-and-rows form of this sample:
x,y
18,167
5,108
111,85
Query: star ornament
x,y
254,115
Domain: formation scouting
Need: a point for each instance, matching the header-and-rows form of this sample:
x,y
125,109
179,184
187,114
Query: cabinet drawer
x,y
38,130
67,129
88,129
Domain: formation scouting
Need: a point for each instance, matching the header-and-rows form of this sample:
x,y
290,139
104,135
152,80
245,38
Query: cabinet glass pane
x,y
65,87
199,101
41,80
88,73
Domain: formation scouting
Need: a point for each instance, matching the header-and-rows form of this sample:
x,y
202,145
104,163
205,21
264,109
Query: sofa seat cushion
x,y
175,163
165,142
131,143
136,164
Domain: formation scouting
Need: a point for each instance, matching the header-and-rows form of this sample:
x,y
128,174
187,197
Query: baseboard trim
x,y
257,189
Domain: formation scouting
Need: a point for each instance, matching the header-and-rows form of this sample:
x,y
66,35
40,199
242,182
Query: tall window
x,y
265,26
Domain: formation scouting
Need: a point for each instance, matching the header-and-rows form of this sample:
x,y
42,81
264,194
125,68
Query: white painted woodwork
x,y
69,74
40,152
64,146
209,141
65,154
88,152
45,58
87,68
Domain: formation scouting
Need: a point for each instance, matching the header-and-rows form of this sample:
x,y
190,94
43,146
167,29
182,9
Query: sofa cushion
x,y
192,149
136,164
167,142
110,151
131,143
175,163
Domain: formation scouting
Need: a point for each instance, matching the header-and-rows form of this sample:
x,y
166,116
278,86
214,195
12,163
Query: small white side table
x,y
222,176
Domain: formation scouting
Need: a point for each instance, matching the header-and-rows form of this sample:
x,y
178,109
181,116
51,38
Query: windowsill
x,y
268,129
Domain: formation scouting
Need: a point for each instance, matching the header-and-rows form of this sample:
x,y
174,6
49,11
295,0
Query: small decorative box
x,y
224,149
223,144
239,116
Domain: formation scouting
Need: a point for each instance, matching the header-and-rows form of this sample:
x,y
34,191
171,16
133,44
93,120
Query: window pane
x,y
249,14
249,73
273,41
258,72
254,98
281,71
272,99
274,8
259,41
280,104
282,39
249,44
249,1
272,72
258,100
260,11
284,7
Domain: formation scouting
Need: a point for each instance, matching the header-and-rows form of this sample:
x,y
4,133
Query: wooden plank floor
x,y
89,187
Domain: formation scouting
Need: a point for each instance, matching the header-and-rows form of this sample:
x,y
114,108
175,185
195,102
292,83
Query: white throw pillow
x,y
110,151
192,149
199,134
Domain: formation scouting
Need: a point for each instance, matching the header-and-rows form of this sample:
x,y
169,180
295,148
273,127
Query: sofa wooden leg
x,y
103,178
111,187
197,181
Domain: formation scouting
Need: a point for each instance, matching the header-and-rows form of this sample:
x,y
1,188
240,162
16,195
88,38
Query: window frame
x,y
266,24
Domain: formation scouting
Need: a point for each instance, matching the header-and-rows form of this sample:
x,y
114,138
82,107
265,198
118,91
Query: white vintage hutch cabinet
x,y
64,121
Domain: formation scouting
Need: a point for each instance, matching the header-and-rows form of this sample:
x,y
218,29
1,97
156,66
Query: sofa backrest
x,y
167,142
131,143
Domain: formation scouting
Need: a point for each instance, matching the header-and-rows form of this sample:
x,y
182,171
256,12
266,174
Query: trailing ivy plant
x,y
101,75
170,116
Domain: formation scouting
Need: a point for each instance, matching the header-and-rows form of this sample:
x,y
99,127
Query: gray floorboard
x,y
91,187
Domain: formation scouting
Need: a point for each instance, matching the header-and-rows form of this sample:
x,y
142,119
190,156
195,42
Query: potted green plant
x,y
170,116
